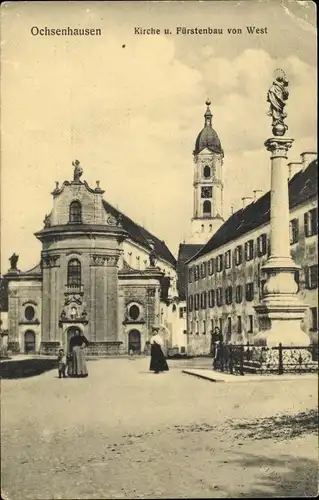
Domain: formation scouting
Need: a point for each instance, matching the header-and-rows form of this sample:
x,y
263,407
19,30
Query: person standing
x,y
61,363
217,339
77,367
158,362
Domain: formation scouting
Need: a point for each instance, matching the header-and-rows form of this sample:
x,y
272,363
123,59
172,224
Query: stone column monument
x,y
281,311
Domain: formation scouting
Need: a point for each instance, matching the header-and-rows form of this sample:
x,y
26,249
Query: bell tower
x,y
208,184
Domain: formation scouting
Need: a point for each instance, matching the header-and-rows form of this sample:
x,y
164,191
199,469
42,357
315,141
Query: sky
x,y
130,107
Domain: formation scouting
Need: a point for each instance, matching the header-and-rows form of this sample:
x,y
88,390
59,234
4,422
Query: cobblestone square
x,y
126,433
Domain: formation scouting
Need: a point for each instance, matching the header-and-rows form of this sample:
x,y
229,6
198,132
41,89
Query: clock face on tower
x,y
207,192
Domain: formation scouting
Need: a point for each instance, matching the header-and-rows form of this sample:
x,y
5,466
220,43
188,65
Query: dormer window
x,y
75,212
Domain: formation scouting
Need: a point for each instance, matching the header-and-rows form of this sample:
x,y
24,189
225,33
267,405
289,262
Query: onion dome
x,y
208,138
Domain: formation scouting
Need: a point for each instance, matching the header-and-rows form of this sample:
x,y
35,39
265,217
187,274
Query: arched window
x,y
74,272
207,208
75,214
207,171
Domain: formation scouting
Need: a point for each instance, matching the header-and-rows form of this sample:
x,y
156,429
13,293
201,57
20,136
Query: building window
x,y
207,172
29,313
75,212
207,208
228,259
203,300
196,302
134,312
138,264
229,295
221,326
239,325
250,323
314,319
238,255
211,298
182,312
203,270
190,274
74,272
249,249
204,327
219,263
311,222
219,296
211,266
239,294
190,303
262,245
196,273
294,231
229,331
249,292
311,277
197,332
212,325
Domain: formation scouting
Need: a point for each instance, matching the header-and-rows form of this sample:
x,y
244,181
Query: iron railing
x,y
246,358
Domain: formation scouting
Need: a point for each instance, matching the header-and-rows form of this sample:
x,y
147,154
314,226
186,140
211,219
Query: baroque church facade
x,y
100,273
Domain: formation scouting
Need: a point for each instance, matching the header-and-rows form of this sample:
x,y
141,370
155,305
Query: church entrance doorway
x,y
29,342
73,330
134,341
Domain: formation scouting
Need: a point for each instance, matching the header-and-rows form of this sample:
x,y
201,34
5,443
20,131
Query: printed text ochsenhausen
x,y
36,31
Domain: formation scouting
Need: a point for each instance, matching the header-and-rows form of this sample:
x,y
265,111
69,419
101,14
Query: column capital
x,y
278,146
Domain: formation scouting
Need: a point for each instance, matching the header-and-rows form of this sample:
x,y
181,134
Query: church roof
x,y
208,138
141,235
185,252
303,186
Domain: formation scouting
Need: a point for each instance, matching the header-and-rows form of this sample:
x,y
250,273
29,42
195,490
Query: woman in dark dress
x,y
158,361
217,339
77,366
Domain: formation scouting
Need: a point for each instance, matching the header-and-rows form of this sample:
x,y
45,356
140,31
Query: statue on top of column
x,y
78,170
276,96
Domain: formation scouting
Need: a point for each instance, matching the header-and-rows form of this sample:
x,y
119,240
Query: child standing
x,y
61,363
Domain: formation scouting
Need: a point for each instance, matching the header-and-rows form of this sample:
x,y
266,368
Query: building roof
x,y
302,186
141,235
208,138
185,252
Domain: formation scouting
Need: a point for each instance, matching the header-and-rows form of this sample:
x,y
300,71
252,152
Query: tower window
x,y
74,272
207,208
75,212
207,172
